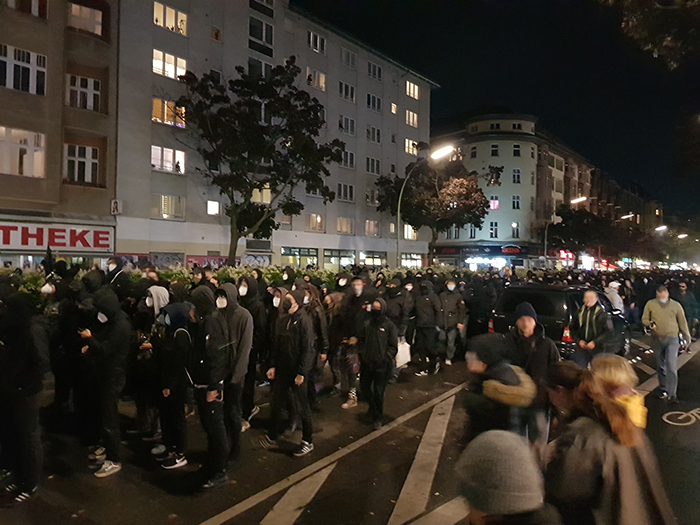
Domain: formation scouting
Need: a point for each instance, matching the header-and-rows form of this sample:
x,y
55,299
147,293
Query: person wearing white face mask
x,y
666,319
454,315
354,314
117,278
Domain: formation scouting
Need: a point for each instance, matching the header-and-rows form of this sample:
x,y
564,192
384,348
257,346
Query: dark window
x,y
21,79
260,8
543,302
41,82
3,73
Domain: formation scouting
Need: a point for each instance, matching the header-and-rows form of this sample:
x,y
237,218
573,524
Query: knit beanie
x,y
499,476
525,310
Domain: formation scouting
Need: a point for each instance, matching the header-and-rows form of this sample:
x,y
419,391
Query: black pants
x,y
282,385
172,419
20,439
212,417
232,419
87,407
425,346
108,390
373,381
248,397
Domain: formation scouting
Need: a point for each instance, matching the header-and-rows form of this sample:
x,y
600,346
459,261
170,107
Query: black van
x,y
555,307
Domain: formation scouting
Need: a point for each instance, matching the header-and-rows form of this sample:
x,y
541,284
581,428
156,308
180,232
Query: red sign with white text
x,y
60,237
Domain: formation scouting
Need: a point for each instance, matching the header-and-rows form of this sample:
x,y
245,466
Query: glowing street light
x,y
579,199
628,216
442,152
661,228
682,235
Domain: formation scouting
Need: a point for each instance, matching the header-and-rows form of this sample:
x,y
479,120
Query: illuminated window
x,y
394,108
213,208
84,18
216,35
411,89
169,207
168,65
169,18
262,197
345,226
411,118
493,202
166,112
316,78
411,147
83,92
31,7
371,228
316,42
22,152
167,159
410,233
80,164
314,222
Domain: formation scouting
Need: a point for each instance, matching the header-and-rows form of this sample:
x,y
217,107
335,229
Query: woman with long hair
x,y
603,470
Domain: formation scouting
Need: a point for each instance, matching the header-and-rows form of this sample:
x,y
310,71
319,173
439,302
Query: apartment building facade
x,y
57,129
169,215
540,173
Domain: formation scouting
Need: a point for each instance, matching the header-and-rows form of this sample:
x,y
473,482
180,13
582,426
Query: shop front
x,y
372,258
337,260
25,244
481,257
448,255
299,257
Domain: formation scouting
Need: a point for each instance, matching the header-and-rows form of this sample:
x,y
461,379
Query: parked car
x,y
555,307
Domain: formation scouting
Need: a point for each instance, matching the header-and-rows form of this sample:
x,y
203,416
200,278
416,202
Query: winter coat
x,y
689,304
208,364
427,307
119,281
251,302
176,346
615,299
24,348
318,317
399,304
378,340
454,310
591,324
110,341
593,479
353,313
239,336
293,351
534,355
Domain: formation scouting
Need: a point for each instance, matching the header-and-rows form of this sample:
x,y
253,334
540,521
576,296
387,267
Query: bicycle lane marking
x,y
304,473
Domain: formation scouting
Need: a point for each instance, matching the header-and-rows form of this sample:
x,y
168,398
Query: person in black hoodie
x,y
312,305
240,329
291,359
109,347
207,372
24,360
118,279
378,344
454,313
250,300
353,316
428,322
399,304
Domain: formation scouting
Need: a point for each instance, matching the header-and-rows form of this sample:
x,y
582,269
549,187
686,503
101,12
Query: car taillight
x,y
566,337
491,330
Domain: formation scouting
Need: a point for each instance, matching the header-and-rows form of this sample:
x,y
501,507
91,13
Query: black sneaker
x,y
215,481
19,497
304,449
174,461
661,395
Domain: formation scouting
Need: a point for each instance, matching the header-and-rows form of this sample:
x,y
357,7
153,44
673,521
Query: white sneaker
x,y
448,362
254,412
108,468
244,425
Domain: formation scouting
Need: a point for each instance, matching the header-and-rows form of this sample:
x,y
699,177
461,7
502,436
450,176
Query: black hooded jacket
x,y
177,346
24,347
293,351
239,324
110,341
119,281
251,302
399,304
428,308
208,362
378,339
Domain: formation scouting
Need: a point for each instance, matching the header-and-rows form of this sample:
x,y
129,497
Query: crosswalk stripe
x,y
261,496
450,513
416,490
292,504
640,344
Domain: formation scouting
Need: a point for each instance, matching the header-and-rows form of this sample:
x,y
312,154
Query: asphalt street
x,y
400,474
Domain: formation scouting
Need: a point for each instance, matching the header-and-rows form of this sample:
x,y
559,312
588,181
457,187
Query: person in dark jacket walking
x,y
378,344
454,314
312,305
24,360
239,338
207,371
249,298
291,360
428,322
590,329
109,347
353,317
534,352
398,305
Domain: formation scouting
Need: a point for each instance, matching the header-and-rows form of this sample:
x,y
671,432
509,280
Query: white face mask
x,y
111,267
242,291
221,302
101,317
276,302
144,275
149,301
285,277
409,287
357,290
47,289
342,282
663,301
306,299
451,287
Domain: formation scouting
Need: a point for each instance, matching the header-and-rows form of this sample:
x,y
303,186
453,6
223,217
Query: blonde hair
x,y
614,371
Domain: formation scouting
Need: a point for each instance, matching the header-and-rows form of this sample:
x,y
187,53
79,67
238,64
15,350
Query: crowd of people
x,y
201,346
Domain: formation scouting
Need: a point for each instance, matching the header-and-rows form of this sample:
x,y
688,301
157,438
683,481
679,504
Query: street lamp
x,y
578,200
628,216
682,235
661,228
437,154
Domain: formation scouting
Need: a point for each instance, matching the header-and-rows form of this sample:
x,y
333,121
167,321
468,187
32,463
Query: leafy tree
x,y
437,198
578,230
669,29
258,134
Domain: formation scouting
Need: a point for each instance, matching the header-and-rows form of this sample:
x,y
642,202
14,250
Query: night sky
x,y
563,61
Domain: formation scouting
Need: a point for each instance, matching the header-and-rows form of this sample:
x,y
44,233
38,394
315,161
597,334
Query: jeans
x,y
108,391
172,419
666,350
425,346
582,358
20,439
373,381
452,335
211,415
232,419
283,384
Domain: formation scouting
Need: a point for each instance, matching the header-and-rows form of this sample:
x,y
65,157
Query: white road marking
x,y
644,367
289,508
640,344
450,513
323,463
417,488
653,382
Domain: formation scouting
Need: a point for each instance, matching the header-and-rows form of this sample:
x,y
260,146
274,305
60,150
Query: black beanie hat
x,y
525,310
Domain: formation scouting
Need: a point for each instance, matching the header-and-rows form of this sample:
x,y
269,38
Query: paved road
x,y
401,474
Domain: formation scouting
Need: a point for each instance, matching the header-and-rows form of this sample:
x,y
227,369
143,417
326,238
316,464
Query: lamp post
x,y
577,200
438,154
